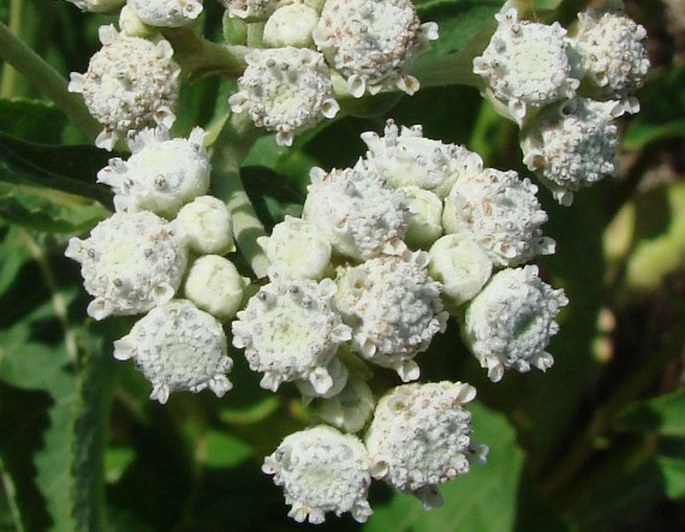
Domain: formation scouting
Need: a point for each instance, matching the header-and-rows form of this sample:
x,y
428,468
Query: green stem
x,y
232,145
10,77
11,495
200,57
47,80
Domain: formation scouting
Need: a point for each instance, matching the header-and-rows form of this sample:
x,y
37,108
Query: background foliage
x,y
597,443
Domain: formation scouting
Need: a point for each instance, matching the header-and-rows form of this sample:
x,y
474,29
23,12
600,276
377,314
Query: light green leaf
x,y
663,415
483,500
222,449
671,460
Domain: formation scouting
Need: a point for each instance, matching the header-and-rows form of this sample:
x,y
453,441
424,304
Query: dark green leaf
x,y
32,120
671,460
663,415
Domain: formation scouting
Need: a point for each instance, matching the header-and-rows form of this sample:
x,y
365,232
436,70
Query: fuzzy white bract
x,y
178,347
207,225
166,13
394,309
510,322
291,25
373,43
404,157
214,285
286,90
299,247
162,173
290,330
613,53
574,146
322,470
131,83
526,64
500,212
359,214
130,263
420,437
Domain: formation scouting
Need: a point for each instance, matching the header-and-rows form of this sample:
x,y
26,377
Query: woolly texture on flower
x,y
249,9
293,239
166,13
359,214
131,83
130,263
162,173
372,43
510,322
394,309
322,470
526,64
286,90
499,212
178,347
613,53
291,25
214,285
420,437
290,330
207,226
574,146
403,157
98,6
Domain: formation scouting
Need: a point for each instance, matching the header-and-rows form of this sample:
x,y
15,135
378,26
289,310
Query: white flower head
x,y
215,286
510,322
291,25
178,347
131,83
162,173
98,6
420,437
373,43
526,64
249,9
394,309
207,225
286,90
298,246
574,146
404,157
290,330
130,263
322,470
462,267
424,223
613,54
499,212
359,214
166,13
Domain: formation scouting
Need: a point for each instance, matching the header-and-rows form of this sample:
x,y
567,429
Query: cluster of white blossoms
x,y
415,233
565,90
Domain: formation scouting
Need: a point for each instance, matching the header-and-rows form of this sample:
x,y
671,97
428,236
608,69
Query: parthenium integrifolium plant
x,y
385,251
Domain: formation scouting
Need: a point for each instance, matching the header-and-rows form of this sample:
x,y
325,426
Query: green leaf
x,y
70,169
272,196
671,461
664,415
32,120
483,500
222,449
662,113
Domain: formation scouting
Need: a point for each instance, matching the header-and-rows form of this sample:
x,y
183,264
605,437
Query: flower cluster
x,y
565,91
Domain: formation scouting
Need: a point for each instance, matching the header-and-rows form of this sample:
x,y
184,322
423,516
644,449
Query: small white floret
x,y
373,43
131,83
291,331
394,309
322,470
130,263
286,90
420,437
162,173
526,65
166,13
178,347
215,286
359,214
510,322
499,212
207,225
424,222
574,146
